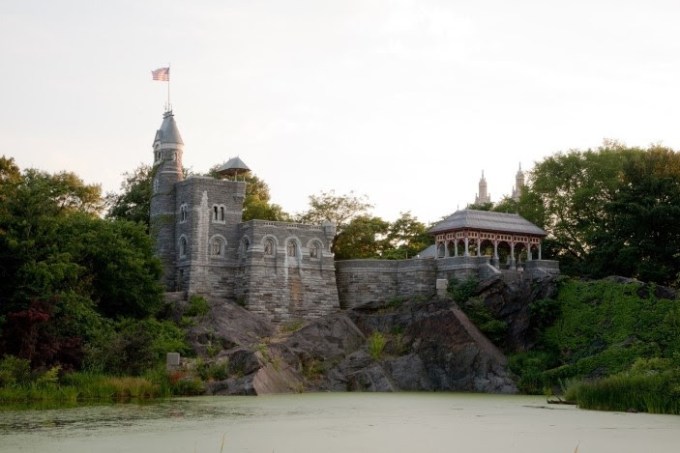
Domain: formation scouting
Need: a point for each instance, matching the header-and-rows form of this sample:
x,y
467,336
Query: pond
x,y
338,422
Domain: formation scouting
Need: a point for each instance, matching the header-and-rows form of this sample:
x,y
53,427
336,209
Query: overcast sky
x,y
403,101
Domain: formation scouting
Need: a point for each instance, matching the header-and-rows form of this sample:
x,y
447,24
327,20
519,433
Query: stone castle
x,y
286,270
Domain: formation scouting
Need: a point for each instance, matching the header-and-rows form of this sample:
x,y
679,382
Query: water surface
x,y
340,422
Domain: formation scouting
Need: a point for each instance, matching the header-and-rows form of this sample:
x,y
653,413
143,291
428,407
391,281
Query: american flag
x,y
162,74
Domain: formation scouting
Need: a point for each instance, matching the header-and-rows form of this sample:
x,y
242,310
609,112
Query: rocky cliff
x,y
406,344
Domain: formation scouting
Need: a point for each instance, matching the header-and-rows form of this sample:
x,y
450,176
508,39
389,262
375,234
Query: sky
x,y
404,101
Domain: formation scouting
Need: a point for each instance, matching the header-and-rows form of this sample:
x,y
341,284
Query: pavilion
x,y
469,233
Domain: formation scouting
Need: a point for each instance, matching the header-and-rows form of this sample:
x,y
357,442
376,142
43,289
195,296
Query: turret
x,y
482,197
519,184
167,171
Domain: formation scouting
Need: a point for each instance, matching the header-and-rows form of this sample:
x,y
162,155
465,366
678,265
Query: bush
x,y
198,306
462,291
14,370
376,345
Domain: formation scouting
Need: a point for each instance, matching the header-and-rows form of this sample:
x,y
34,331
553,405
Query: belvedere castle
x,y
286,270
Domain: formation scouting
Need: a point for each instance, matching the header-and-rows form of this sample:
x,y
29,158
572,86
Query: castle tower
x,y
482,197
519,184
167,171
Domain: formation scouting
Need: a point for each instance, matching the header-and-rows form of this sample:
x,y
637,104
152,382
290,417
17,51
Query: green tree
x,y
133,201
363,237
570,192
258,205
337,209
406,237
640,235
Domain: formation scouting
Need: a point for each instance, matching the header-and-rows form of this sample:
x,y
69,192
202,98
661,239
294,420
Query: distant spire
x,y
482,197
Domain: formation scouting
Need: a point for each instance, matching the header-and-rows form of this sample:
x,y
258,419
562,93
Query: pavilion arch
x,y
487,247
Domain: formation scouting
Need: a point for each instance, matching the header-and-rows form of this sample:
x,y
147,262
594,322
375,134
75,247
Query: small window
x,y
292,248
183,246
218,213
183,213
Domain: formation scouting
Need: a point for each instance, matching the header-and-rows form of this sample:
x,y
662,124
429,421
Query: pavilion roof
x,y
501,222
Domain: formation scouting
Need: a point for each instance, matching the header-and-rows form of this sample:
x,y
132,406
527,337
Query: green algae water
x,y
338,422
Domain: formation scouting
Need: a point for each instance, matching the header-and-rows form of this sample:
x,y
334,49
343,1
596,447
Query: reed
x,y
655,393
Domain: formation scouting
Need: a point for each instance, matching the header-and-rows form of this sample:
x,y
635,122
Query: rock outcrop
x,y
409,345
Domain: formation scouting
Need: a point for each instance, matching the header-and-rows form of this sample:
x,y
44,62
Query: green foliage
x,y
336,209
598,329
133,347
360,238
376,345
494,329
134,200
217,371
14,370
462,291
611,211
292,325
657,392
198,306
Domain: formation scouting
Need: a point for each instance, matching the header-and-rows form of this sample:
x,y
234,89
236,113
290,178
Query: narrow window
x,y
222,213
215,213
183,246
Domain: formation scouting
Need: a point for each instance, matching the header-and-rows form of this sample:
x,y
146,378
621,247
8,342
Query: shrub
x,y
376,345
198,306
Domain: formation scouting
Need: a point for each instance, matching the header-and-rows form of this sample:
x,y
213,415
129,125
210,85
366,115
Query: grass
x,y
655,394
376,345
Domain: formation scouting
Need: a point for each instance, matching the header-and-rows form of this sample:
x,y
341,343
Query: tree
x,y
363,237
569,191
641,233
258,205
63,268
406,238
337,209
134,200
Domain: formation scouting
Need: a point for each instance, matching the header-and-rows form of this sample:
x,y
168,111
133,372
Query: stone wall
x,y
287,270
212,211
362,281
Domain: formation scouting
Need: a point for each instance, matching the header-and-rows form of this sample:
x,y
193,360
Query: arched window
x,y
217,246
269,247
218,213
183,247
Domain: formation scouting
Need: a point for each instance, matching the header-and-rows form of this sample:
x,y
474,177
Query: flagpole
x,y
169,105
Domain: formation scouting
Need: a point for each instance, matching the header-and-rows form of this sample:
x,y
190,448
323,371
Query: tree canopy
x,y
612,210
63,269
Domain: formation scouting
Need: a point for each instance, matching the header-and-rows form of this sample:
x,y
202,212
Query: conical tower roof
x,y
168,133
